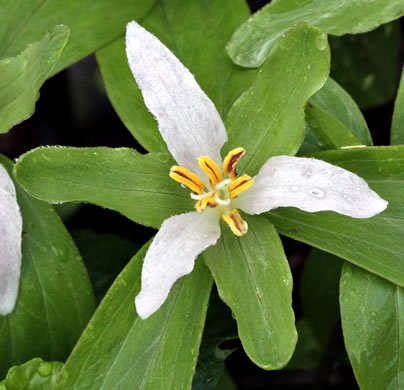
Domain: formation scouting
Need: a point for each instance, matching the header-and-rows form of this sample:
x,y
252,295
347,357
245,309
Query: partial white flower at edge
x,y
194,133
10,243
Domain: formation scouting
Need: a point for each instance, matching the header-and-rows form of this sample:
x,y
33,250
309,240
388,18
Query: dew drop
x,y
317,193
308,66
321,41
304,79
373,322
373,314
45,369
294,188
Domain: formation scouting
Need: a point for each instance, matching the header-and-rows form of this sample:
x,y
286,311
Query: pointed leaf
x,y
268,119
196,32
23,75
137,186
119,350
397,127
253,41
372,311
55,299
35,374
374,244
93,24
253,277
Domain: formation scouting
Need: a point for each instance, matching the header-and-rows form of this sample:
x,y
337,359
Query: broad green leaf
x,y
253,41
118,350
93,24
136,185
268,119
55,299
397,127
372,311
319,297
23,75
253,277
335,119
35,374
219,327
105,255
374,244
367,65
196,32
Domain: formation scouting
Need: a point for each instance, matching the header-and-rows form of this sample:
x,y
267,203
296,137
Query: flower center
x,y
221,191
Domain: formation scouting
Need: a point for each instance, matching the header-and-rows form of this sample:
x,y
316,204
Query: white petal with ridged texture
x,y
10,243
172,255
187,118
310,185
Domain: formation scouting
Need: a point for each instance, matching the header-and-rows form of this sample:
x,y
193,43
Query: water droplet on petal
x,y
317,192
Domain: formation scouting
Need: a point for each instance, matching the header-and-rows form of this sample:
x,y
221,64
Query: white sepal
x,y
10,244
188,120
172,255
310,185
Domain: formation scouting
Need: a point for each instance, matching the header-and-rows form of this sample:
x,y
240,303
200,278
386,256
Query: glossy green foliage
x,y
22,76
397,126
137,186
372,311
196,32
318,292
252,42
158,353
253,277
373,244
55,299
35,374
93,23
268,119
367,65
104,255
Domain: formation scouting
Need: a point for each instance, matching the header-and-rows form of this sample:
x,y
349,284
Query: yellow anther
x,y
236,223
183,176
231,160
205,202
239,185
211,169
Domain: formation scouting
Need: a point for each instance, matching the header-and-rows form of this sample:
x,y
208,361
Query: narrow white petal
x,y
187,118
10,244
172,255
310,185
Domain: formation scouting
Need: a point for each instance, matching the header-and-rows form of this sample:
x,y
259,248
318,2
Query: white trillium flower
x,y
194,133
10,243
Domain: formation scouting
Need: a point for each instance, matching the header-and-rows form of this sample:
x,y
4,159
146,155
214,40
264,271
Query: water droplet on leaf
x,y
45,369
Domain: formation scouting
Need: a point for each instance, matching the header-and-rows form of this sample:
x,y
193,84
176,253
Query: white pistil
x,y
221,201
222,184
202,196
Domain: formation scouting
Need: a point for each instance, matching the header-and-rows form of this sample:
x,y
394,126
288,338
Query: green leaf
x,y
319,297
93,24
367,65
55,299
137,186
23,75
252,42
372,311
105,255
268,119
119,350
397,127
35,374
335,119
253,277
374,244
196,32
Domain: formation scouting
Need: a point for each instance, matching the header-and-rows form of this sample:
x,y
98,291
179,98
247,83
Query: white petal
x,y
188,120
10,244
310,185
172,254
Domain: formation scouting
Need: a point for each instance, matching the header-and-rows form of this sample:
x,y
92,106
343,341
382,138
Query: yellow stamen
x,y
205,202
236,223
231,160
239,185
211,169
183,176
